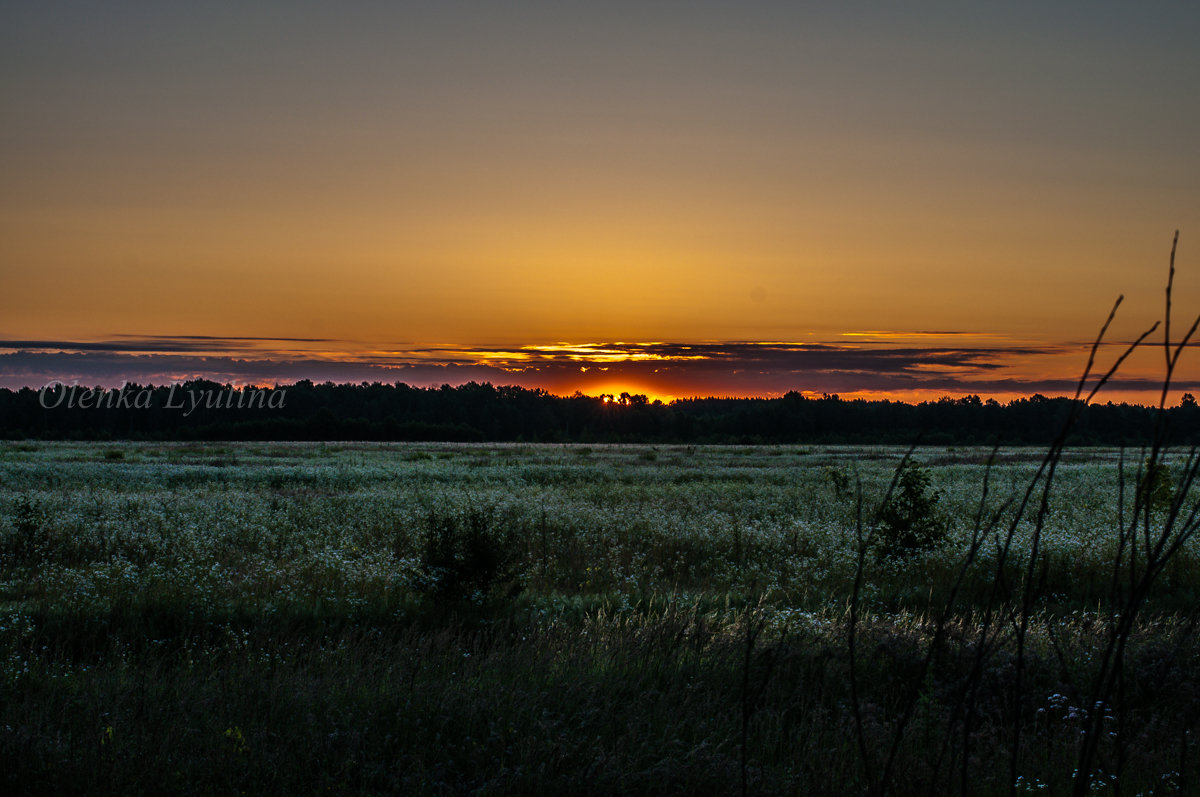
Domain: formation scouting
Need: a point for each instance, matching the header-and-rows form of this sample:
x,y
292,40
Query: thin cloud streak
x,y
157,343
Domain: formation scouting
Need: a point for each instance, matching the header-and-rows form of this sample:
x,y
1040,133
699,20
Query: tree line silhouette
x,y
482,412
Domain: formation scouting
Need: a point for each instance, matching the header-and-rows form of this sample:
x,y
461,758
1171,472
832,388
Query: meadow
x,y
359,618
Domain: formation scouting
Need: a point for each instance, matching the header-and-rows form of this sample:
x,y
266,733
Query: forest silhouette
x,y
477,412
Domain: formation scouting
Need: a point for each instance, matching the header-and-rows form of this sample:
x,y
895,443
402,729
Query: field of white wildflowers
x,y
447,618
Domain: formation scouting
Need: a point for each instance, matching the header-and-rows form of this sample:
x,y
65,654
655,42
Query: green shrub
x,y
465,555
1156,487
839,478
910,521
28,541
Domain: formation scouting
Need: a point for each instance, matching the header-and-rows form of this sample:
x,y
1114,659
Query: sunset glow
x,y
900,202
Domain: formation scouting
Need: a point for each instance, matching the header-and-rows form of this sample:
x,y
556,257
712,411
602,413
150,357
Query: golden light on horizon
x,y
476,186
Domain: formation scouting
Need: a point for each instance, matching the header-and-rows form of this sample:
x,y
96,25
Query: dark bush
x,y
466,555
1156,487
839,478
28,541
910,521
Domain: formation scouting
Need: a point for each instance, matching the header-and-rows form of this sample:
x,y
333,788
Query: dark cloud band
x,y
713,368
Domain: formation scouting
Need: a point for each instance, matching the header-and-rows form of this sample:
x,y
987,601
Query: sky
x,y
878,200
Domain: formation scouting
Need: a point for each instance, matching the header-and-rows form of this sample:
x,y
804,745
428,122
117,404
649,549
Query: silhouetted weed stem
x,y
1160,544
1147,540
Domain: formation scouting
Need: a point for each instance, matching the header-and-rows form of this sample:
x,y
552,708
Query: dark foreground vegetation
x,y
441,618
482,412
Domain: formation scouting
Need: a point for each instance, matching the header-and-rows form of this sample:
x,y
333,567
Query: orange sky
x,y
471,179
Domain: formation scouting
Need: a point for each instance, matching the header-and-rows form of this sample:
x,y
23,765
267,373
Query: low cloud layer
x,y
873,364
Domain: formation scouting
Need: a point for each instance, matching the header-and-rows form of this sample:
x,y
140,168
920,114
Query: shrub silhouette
x,y
1156,488
839,478
909,522
465,555
28,542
